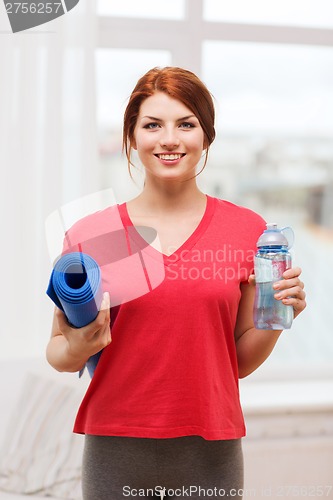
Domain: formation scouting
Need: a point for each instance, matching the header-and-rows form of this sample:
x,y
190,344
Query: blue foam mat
x,y
75,287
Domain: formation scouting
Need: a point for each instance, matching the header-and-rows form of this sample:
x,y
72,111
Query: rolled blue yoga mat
x,y
75,287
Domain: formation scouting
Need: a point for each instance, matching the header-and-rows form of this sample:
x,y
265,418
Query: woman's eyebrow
x,y
152,118
159,119
186,118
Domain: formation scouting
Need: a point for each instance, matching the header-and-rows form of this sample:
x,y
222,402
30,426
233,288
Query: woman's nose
x,y
169,139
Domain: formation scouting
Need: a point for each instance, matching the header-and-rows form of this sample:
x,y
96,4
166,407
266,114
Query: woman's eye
x,y
151,126
187,125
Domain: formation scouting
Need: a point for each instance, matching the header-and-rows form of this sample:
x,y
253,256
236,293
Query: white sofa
x,y
288,450
40,457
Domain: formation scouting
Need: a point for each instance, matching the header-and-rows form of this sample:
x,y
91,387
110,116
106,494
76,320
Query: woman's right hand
x,y
69,348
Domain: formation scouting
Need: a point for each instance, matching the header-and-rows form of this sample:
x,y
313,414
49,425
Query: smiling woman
x,y
167,383
174,138
183,103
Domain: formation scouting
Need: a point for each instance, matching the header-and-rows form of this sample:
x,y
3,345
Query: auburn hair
x,y
179,84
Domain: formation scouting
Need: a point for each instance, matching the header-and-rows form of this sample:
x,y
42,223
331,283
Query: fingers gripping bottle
x,y
271,260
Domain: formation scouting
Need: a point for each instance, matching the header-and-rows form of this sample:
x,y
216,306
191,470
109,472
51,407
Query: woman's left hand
x,y
291,290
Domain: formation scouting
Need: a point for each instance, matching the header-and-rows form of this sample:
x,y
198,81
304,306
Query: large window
x,y
271,73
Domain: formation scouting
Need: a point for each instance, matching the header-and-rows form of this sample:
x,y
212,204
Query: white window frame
x,y
184,38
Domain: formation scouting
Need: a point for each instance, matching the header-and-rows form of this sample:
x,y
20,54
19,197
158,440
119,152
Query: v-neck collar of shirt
x,y
188,243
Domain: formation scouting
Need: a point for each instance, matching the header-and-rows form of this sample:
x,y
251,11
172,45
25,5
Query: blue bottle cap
x,y
274,236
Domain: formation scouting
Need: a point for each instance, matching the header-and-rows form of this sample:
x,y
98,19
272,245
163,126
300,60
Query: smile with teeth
x,y
170,157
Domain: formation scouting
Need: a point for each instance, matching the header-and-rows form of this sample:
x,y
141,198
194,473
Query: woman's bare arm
x,y
253,345
69,348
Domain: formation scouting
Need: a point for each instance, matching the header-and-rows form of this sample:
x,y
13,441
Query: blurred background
x,y
63,90
269,65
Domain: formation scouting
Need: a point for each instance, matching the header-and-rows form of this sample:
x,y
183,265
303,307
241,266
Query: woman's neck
x,y
170,197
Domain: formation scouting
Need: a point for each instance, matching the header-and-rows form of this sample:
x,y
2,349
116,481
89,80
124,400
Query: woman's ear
x,y
133,144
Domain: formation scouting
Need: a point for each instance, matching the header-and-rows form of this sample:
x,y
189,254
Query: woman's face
x,y
168,138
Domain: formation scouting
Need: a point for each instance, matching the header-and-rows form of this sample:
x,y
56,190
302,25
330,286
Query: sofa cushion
x,y
40,454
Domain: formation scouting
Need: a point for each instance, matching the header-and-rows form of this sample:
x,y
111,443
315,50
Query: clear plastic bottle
x,y
271,260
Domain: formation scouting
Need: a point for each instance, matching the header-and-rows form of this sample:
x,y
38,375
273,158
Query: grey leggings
x,y
116,468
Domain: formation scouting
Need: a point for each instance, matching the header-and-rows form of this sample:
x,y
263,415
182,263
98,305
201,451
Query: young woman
x,y
162,409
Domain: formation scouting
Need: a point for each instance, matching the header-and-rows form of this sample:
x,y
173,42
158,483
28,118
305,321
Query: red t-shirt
x,y
171,368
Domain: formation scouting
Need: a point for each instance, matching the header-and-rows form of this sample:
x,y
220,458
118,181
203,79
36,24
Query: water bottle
x,y
271,260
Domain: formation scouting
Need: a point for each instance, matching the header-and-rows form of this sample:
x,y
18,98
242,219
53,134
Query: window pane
x,y
297,12
271,88
117,71
172,9
274,154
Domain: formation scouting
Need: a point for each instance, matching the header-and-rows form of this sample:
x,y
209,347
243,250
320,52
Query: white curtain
x,y
48,156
